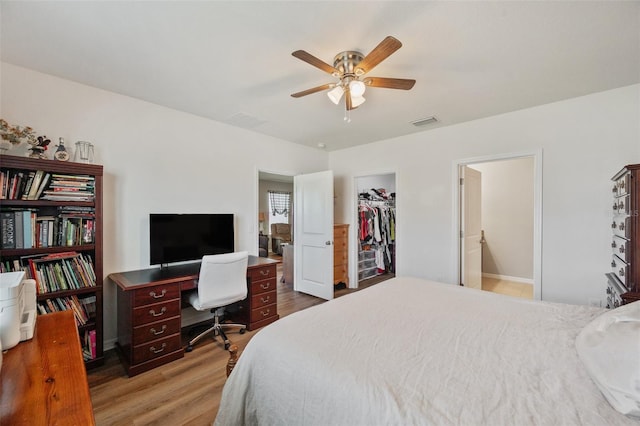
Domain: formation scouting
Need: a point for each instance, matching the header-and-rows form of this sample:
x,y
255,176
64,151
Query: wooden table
x,y
43,381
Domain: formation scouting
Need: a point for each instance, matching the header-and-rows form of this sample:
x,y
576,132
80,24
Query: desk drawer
x,y
621,248
156,348
340,273
339,256
621,226
263,286
263,299
160,293
621,270
264,312
262,273
156,312
155,330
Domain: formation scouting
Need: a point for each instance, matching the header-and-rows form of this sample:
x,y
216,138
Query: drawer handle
x,y
157,333
265,286
264,272
621,249
615,206
157,351
613,225
621,184
621,226
263,300
615,188
613,263
153,313
613,244
156,296
622,272
621,205
265,313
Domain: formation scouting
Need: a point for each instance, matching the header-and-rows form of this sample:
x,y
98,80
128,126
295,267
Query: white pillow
x,y
609,347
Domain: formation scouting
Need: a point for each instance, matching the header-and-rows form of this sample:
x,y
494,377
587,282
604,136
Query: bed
x,y
410,352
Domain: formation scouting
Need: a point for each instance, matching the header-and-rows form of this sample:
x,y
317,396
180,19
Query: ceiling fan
x,y
350,68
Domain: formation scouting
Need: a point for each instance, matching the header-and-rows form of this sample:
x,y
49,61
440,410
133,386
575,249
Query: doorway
x,y
376,222
275,206
509,227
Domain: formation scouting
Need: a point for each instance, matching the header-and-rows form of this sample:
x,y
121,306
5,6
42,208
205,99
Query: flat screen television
x,y
183,237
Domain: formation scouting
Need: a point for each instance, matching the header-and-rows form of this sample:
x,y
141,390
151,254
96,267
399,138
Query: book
x,y
35,185
92,342
8,229
43,185
19,229
27,229
27,186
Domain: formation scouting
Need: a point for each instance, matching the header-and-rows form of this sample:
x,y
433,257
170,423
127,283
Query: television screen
x,y
184,237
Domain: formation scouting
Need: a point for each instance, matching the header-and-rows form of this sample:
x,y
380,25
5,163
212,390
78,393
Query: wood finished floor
x,y
183,392
510,288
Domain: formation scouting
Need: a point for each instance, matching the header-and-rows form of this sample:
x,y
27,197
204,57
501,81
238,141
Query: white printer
x,y
17,308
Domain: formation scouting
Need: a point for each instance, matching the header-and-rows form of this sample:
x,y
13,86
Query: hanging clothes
x,y
376,217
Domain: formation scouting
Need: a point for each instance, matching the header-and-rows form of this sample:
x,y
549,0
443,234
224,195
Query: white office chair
x,y
222,281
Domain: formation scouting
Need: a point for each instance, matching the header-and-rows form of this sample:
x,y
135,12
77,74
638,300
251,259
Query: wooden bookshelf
x,y
90,247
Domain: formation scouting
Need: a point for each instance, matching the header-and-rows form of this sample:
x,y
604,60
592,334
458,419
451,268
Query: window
x,y
279,207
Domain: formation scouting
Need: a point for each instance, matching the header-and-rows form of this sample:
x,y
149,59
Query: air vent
x,y
424,121
244,120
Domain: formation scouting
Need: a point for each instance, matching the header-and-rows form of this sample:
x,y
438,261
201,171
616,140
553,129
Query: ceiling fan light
x,y
357,88
356,101
335,94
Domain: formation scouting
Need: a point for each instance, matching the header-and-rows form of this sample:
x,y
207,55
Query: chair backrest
x,y
281,230
223,279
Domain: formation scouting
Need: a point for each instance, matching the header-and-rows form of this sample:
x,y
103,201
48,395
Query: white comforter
x,y
415,352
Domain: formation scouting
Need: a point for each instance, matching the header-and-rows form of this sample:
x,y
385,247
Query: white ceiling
x,y
231,60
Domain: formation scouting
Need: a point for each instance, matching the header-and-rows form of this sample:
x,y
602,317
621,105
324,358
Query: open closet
x,y
376,226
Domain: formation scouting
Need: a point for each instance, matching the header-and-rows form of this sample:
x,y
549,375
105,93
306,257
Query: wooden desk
x,y
149,309
44,379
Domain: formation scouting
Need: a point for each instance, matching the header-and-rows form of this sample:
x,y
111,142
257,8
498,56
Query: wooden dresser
x,y
624,279
341,254
43,380
149,309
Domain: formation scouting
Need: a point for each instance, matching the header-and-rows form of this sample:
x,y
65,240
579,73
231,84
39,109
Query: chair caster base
x,y
243,330
226,346
188,348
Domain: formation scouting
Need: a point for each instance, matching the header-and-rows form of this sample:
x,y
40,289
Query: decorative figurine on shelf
x,y
38,147
61,153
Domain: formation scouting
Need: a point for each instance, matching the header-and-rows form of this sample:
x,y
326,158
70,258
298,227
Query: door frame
x,y
537,211
353,231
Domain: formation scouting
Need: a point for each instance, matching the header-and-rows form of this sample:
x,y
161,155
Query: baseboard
x,y
508,278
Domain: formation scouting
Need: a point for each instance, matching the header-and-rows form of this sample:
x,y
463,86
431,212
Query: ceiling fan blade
x,y
389,83
310,59
314,90
378,54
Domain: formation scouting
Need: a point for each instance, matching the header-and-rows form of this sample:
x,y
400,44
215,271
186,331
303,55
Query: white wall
x,y
584,141
384,181
155,160
507,217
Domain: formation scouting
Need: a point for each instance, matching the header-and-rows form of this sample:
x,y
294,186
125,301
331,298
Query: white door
x,y
471,227
313,234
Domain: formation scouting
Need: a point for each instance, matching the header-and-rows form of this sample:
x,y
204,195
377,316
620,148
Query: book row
x,y
35,185
55,272
28,228
83,308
